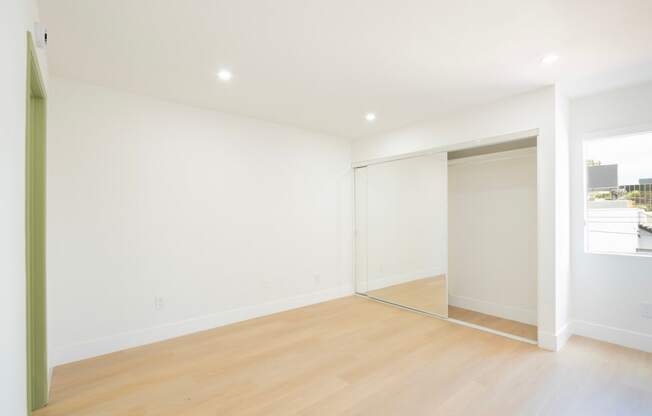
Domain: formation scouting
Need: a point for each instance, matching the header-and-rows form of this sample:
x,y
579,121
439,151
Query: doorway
x,y
35,151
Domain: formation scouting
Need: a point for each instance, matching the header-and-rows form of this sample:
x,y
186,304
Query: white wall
x,y
16,18
492,234
607,290
224,217
535,110
562,219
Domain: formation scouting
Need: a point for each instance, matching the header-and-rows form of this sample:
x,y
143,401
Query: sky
x,y
633,154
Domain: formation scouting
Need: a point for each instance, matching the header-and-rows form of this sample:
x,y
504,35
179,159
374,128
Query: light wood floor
x,y
353,356
430,295
493,322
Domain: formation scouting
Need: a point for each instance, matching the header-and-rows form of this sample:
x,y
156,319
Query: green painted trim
x,y
35,174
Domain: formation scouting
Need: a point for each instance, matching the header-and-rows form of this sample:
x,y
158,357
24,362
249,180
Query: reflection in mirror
x,y
406,244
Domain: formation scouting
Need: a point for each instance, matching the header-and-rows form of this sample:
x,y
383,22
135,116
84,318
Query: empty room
x,y
302,207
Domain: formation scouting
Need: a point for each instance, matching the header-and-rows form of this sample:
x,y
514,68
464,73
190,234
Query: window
x,y
619,194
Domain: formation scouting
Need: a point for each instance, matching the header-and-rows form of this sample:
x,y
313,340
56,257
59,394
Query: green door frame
x,y
35,148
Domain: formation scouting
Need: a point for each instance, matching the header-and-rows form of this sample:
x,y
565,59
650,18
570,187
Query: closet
x,y
452,233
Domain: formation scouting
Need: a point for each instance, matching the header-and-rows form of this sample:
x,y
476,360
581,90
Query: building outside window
x,y
619,195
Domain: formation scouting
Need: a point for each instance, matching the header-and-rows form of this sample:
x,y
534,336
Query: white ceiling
x,y
322,64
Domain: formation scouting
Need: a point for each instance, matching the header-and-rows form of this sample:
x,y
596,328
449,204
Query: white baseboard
x,y
525,316
623,337
125,340
555,342
50,369
547,340
564,335
122,341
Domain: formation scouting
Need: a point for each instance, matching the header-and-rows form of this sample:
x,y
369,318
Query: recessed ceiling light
x,y
370,116
550,59
224,75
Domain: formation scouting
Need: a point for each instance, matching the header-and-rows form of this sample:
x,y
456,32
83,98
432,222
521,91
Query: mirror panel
x,y
406,224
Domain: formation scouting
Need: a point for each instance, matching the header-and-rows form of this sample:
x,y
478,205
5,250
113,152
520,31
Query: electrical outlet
x,y
158,303
646,310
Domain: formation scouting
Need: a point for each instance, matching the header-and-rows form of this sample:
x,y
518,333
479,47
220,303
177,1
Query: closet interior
x,y
453,233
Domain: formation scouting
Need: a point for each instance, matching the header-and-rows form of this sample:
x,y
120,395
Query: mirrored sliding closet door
x,y
401,232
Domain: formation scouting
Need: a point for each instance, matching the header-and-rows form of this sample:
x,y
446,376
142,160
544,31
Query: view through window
x,y
619,194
